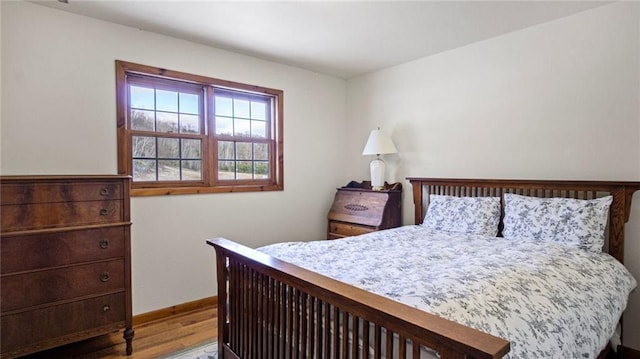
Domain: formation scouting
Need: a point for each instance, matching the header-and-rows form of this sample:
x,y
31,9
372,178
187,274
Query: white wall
x,y
560,100
58,117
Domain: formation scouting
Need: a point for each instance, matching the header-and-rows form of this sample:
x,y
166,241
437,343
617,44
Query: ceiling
x,y
338,38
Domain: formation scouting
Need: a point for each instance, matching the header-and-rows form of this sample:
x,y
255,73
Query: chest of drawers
x,y
65,263
357,209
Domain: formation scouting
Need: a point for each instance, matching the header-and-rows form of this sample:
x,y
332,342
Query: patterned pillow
x,y
579,223
470,215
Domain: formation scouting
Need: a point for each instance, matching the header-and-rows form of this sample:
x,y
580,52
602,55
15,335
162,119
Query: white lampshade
x,y
379,143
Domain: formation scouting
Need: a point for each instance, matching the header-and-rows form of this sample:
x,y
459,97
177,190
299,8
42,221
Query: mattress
x,y
548,299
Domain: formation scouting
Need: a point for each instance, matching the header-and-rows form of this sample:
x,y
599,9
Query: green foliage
x,y
245,167
262,168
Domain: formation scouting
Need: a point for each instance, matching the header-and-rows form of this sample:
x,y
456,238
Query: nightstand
x,y
357,209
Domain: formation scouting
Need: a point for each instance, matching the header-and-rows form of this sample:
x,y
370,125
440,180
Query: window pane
x,y
242,128
144,147
244,170
243,151
261,170
191,149
258,110
167,122
224,126
223,106
168,148
191,170
258,129
142,120
189,103
226,150
226,170
241,108
144,170
166,101
189,123
261,151
168,170
141,98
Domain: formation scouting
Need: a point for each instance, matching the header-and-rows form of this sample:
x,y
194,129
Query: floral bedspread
x,y
548,300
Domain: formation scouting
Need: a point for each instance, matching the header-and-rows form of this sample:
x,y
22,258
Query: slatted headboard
x,y
622,193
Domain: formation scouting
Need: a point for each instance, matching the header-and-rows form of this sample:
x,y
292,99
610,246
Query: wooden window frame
x,y
210,182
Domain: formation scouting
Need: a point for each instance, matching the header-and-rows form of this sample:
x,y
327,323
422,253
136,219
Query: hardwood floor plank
x,y
154,339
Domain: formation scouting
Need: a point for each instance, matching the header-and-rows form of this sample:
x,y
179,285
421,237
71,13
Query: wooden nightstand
x,y
358,210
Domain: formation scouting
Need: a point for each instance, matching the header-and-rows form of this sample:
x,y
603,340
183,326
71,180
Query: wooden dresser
x,y
65,260
357,209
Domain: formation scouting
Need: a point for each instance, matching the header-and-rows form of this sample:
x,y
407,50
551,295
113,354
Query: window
x,y
181,133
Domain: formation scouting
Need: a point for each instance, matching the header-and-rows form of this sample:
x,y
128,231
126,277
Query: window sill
x,y
142,192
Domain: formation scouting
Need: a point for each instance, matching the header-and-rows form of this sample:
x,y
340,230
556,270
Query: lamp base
x,y
377,168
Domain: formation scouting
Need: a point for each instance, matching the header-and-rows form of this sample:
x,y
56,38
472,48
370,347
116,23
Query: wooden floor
x,y
152,340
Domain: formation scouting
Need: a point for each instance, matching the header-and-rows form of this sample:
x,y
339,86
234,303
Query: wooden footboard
x,y
272,309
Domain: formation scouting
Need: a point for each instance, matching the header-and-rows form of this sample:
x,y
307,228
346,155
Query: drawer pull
x,y
104,212
356,207
104,277
104,244
106,308
104,192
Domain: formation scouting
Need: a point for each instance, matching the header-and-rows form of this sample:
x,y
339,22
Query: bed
x,y
272,308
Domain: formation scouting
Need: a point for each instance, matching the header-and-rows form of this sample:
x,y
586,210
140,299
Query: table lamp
x,y
377,144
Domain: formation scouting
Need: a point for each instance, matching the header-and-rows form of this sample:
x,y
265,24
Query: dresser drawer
x,y
35,251
339,229
48,286
48,324
49,215
47,192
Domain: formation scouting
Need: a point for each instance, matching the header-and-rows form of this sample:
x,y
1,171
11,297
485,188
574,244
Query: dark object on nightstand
x,y
357,209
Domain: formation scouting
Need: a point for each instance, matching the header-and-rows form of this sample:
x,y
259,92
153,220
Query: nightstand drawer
x,y
339,229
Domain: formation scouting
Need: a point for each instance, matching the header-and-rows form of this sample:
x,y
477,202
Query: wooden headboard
x,y
622,193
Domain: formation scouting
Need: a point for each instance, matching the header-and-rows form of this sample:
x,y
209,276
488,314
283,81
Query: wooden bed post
x,y
223,297
418,203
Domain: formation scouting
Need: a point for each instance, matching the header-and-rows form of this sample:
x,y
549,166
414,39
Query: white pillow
x,y
576,222
470,215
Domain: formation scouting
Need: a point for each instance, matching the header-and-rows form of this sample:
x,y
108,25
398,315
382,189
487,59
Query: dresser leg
x,y
128,337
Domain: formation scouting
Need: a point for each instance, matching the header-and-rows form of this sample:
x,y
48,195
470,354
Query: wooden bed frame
x,y
268,308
